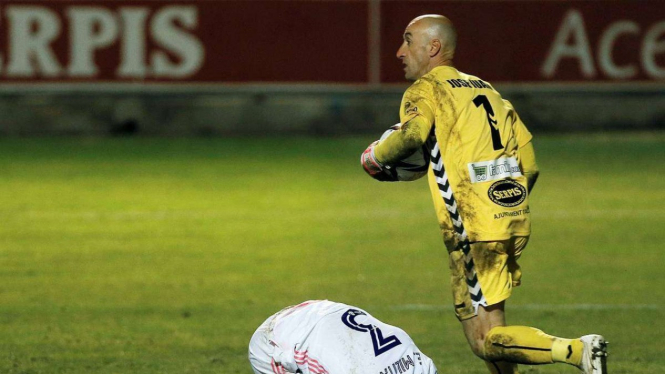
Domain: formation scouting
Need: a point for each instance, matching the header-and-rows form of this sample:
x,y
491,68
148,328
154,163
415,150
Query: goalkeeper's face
x,y
414,51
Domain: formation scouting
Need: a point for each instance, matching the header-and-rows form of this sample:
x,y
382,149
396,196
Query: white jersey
x,y
324,337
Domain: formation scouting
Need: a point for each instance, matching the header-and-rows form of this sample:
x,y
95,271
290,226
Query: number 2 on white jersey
x,y
380,343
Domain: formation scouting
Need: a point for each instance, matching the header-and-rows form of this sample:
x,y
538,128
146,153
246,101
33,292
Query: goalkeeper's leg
x,y
495,267
503,347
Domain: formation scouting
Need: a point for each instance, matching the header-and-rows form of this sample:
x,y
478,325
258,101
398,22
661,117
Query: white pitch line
x,y
658,213
575,307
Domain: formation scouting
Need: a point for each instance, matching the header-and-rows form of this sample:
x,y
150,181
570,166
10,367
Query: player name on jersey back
x,y
471,83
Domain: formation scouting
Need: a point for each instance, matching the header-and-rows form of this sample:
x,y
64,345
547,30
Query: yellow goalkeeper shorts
x,y
495,264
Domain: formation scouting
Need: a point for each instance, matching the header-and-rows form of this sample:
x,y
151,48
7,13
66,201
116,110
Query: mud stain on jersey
x,y
467,210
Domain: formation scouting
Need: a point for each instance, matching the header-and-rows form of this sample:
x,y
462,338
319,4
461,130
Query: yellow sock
x,y
527,345
567,350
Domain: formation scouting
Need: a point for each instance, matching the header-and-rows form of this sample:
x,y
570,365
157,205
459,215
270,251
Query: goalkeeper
x,y
482,171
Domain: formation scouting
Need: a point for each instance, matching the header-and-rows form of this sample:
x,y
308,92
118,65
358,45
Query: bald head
x,y
437,27
429,41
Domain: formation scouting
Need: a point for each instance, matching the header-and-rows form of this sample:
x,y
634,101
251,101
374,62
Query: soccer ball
x,y
411,167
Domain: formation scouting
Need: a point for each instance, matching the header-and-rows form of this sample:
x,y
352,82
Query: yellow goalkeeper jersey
x,y
478,136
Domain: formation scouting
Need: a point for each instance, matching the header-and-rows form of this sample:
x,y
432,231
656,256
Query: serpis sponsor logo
x,y
507,193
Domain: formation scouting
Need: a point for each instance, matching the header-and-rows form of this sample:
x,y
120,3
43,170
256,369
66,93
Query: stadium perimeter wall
x,y
316,67
322,111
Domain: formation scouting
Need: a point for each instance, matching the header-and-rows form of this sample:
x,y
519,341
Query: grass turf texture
x,y
163,255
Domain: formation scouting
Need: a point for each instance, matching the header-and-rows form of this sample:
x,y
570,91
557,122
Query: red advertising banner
x,y
324,41
192,41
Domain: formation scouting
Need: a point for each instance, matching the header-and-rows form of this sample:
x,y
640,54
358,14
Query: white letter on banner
x,y
90,29
132,53
184,45
31,31
650,47
572,25
606,44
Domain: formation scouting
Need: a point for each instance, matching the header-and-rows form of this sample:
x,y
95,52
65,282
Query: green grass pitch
x,y
163,255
